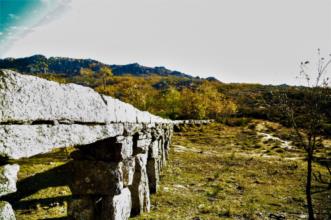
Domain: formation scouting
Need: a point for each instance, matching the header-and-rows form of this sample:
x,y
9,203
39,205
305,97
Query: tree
x,y
105,73
217,104
171,102
307,116
205,102
85,72
193,105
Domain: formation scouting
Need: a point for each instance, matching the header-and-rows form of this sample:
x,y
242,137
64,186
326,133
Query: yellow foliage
x,y
177,98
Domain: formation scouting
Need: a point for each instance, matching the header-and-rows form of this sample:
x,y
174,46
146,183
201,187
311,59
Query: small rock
x,y
277,216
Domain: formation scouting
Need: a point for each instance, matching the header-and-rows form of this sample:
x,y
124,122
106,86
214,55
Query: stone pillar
x,y
8,180
82,207
100,173
140,187
113,178
153,166
116,207
158,154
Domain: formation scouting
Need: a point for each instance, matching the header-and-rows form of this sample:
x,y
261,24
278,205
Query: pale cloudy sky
x,y
234,40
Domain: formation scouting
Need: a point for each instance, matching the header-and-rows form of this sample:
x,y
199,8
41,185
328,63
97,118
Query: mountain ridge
x,y
72,66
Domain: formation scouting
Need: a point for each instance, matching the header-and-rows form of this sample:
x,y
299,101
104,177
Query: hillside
x,y
72,67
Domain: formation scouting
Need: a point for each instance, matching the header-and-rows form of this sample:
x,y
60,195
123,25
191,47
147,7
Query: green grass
x,y
42,187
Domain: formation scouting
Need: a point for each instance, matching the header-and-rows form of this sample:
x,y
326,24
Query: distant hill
x,y
71,67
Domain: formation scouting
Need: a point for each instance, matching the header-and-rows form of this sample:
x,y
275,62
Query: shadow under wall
x,y
58,176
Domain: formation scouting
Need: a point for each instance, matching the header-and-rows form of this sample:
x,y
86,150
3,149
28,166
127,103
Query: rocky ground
x,y
252,171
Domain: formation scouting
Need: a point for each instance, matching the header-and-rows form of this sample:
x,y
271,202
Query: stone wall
x,y
113,178
120,150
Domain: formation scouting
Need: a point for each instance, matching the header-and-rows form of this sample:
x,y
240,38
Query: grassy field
x,y
214,172
222,172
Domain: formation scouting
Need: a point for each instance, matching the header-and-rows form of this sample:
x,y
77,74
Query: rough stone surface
x,y
138,173
27,99
141,145
132,128
96,178
167,146
154,149
113,149
140,189
128,169
125,146
82,208
17,141
119,150
117,207
153,172
8,179
6,211
45,114
162,152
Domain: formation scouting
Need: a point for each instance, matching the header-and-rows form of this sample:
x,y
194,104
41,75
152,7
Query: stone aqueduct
x,y
121,150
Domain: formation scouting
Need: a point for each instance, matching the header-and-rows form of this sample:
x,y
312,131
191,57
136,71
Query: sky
x,y
256,41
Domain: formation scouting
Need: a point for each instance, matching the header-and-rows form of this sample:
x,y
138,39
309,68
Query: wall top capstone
x,y
27,99
37,115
